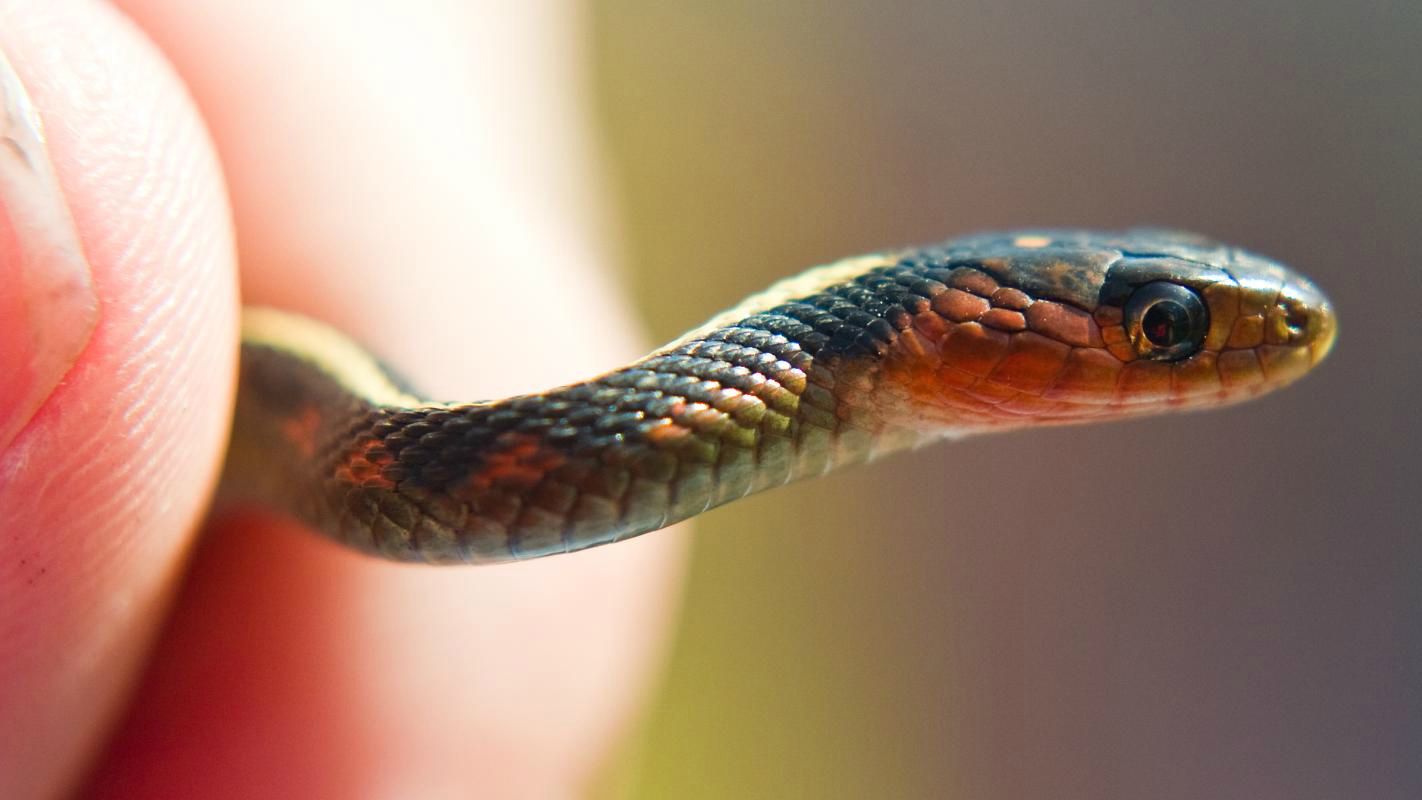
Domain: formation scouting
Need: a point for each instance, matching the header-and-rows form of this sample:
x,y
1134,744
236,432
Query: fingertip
x,y
114,440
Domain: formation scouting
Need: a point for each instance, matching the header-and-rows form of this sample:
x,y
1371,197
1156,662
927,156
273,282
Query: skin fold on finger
x,y
102,488
419,176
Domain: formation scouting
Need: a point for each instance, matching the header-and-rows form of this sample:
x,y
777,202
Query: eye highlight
x,y
1166,321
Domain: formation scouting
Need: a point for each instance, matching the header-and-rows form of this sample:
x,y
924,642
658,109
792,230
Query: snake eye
x,y
1166,321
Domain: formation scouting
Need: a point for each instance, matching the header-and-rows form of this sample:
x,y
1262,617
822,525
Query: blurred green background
x,y
1224,605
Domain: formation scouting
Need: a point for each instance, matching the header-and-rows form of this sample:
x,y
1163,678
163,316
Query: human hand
x,y
419,176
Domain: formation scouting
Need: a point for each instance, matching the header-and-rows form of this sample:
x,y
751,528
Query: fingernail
x,y
48,307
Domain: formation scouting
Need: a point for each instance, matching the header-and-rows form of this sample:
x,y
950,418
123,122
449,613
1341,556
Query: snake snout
x,y
1307,318
1297,331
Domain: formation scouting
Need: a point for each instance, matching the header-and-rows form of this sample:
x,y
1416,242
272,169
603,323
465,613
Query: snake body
x,y
836,366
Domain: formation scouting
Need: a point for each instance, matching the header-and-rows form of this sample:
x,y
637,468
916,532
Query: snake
x,y
839,365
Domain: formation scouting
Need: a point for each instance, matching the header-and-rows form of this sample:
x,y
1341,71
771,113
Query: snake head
x,y
1069,326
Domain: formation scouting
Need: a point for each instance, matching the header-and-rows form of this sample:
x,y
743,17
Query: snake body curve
x,y
836,366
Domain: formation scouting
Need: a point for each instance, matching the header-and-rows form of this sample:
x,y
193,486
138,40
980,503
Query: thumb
x,y
117,346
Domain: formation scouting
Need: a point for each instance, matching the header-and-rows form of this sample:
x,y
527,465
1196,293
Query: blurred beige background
x,y
1226,605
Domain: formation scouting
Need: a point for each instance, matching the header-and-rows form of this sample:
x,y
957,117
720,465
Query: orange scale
x,y
1064,323
1031,364
1107,316
975,349
1004,320
960,306
1015,299
1144,381
915,345
972,280
1088,375
952,377
1121,351
932,325
362,466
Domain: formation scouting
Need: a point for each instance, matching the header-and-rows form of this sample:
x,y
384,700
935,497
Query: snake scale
x,y
836,366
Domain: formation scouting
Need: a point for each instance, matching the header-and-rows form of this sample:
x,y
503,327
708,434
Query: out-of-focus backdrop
x,y
1226,605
